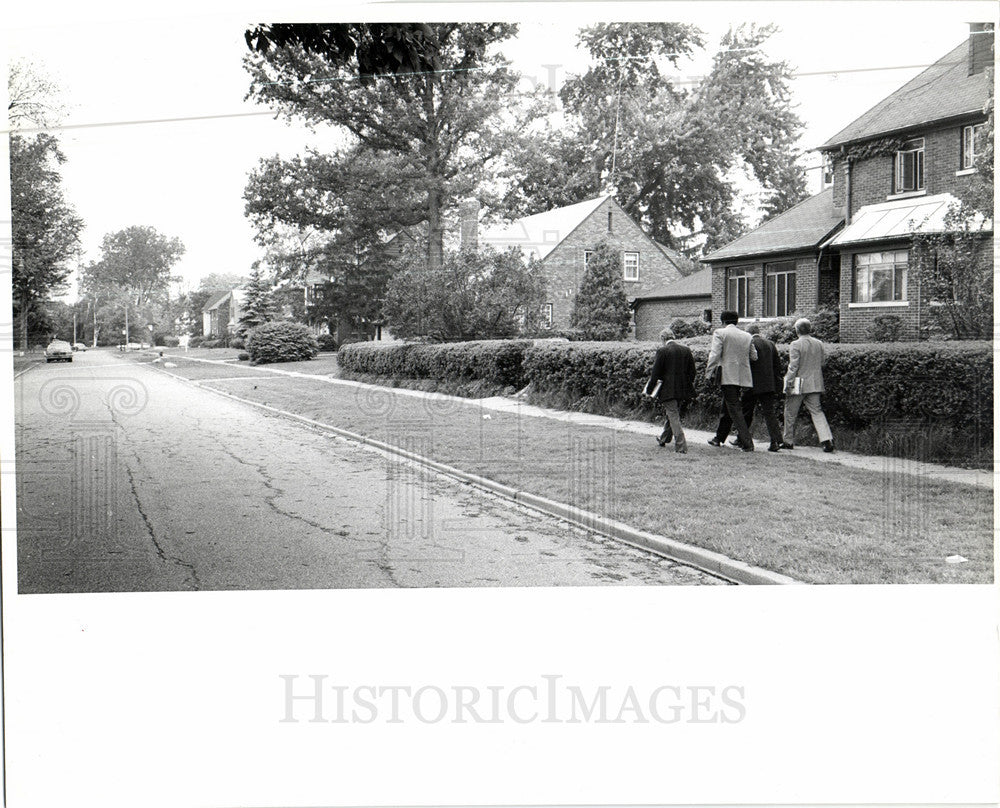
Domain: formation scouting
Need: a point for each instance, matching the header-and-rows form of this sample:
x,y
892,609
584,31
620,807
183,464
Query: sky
x,y
186,178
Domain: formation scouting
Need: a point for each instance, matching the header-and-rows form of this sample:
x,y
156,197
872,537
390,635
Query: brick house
x,y
689,298
563,238
221,313
896,171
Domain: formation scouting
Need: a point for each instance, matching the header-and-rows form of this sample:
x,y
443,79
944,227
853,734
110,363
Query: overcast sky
x,y
186,178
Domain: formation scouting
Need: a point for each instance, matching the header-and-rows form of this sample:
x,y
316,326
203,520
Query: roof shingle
x,y
800,227
944,90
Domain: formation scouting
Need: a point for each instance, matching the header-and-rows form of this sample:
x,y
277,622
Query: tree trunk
x,y
24,322
435,231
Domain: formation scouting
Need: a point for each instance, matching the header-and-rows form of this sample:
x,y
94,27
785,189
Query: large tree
x,y
45,230
417,141
674,153
601,310
133,272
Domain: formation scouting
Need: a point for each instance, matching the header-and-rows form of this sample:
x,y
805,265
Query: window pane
x,y
881,284
900,282
918,170
791,292
771,295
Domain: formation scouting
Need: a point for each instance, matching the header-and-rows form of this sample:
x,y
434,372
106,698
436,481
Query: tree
x,y
45,230
257,307
33,98
488,295
673,156
601,309
221,281
419,141
134,270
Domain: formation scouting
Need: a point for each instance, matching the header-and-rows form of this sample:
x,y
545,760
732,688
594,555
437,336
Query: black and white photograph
x,y
402,394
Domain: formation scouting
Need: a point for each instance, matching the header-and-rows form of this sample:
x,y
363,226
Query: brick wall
x,y
565,264
871,179
652,316
807,284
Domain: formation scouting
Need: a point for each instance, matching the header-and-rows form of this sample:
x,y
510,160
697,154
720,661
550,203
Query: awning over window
x,y
899,219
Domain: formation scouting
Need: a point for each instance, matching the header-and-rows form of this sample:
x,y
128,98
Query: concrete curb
x,y
705,560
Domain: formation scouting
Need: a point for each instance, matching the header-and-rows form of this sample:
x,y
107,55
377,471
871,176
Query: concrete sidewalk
x,y
978,478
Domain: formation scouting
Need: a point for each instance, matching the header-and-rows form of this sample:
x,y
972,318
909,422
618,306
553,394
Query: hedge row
x,y
498,362
942,383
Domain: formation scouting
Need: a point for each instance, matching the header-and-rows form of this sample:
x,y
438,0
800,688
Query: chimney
x,y
468,213
980,46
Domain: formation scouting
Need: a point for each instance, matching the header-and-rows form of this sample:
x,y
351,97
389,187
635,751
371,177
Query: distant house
x,y
563,240
689,298
895,170
221,313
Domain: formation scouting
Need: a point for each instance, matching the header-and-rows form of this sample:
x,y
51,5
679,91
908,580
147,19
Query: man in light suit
x,y
732,351
805,361
673,368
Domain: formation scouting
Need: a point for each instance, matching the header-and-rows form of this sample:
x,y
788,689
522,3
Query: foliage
x,y
280,342
482,295
886,328
676,157
257,307
196,341
33,99
378,48
498,362
45,231
417,142
327,342
221,282
601,309
169,341
689,328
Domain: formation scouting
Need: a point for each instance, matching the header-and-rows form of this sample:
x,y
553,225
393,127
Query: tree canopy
x,y
417,141
601,310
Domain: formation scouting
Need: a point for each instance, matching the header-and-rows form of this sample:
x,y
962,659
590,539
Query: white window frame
x,y
913,149
625,265
742,275
771,271
969,145
865,264
547,315
586,257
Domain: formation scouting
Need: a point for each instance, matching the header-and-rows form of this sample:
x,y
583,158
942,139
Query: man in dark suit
x,y
673,370
767,381
732,350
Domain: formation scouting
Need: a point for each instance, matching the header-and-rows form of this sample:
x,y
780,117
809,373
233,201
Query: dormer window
x,y
972,144
909,174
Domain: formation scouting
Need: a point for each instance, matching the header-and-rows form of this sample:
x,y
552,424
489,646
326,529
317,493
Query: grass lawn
x,y
817,522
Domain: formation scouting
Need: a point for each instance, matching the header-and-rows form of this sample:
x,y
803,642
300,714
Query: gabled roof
x,y
684,264
698,284
899,219
802,227
216,300
542,232
944,90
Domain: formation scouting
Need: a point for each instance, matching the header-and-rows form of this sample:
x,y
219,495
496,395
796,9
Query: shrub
x,y
689,328
280,342
169,341
495,361
886,328
213,343
327,342
237,342
196,341
243,356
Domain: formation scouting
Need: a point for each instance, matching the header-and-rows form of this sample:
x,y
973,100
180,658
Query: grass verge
x,y
816,522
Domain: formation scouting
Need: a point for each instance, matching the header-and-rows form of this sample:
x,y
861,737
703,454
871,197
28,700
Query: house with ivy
x,y
895,174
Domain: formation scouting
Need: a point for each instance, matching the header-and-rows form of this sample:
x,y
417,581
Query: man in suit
x,y
732,350
673,368
766,373
805,361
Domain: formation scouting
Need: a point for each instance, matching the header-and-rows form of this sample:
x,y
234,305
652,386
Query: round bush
x,y
327,342
169,341
281,342
196,341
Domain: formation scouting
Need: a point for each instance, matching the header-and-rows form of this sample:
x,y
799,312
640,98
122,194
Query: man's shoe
x,y
682,451
773,447
784,445
746,447
714,442
827,445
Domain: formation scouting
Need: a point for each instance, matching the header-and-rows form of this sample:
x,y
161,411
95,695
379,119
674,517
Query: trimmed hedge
x,y
498,362
280,342
941,392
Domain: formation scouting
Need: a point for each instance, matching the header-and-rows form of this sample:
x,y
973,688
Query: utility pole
x,y
74,324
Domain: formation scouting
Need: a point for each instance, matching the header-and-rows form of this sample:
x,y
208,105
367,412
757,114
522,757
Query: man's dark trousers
x,y
732,413
766,401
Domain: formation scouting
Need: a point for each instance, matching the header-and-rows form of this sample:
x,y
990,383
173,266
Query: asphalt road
x,y
130,480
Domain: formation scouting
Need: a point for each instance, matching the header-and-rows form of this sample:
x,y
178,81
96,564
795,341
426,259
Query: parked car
x,y
131,346
58,350
79,346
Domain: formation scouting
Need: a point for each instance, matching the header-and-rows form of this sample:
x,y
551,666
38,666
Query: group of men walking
x,y
749,373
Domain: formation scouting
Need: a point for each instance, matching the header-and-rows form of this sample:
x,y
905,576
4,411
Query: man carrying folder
x,y
671,382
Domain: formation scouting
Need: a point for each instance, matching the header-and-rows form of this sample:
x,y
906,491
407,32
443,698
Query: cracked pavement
x,y
129,480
